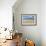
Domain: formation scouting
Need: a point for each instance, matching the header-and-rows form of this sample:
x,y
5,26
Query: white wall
x,y
31,32
31,7
43,22
6,13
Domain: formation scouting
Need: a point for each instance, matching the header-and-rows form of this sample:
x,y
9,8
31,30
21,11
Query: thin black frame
x,y
35,15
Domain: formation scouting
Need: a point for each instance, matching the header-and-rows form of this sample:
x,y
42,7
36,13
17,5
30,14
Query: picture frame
x,y
29,19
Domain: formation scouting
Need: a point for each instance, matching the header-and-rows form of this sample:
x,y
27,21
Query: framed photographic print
x,y
29,19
